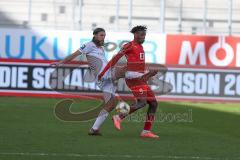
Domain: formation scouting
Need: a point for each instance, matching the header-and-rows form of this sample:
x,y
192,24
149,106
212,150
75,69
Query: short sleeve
x,y
86,48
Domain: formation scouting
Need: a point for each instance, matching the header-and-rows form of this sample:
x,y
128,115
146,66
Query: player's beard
x,y
141,41
101,43
98,43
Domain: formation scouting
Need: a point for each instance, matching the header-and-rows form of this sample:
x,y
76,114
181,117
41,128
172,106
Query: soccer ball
x,y
122,108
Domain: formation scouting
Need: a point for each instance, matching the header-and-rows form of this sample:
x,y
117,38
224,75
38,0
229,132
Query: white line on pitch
x,y
116,156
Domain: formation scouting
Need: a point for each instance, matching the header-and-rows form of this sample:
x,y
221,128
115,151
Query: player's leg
x,y
109,99
109,90
118,72
151,100
138,90
117,119
140,103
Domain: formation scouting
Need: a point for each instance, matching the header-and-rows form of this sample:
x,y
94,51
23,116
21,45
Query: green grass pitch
x,y
29,130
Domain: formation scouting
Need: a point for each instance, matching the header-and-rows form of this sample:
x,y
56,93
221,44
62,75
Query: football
x,y
122,107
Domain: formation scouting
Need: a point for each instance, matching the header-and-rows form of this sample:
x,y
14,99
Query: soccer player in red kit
x,y
136,79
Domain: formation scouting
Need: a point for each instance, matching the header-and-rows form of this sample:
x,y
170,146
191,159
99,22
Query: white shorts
x,y
132,74
108,88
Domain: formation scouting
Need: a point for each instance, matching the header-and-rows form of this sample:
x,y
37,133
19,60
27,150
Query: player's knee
x,y
143,102
110,104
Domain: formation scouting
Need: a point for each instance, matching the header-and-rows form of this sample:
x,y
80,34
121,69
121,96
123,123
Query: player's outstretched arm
x,y
110,64
125,49
66,59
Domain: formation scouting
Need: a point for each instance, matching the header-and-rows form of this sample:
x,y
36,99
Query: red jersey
x,y
135,58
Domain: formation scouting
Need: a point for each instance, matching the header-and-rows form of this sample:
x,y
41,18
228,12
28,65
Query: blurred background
x,y
163,16
194,34
197,40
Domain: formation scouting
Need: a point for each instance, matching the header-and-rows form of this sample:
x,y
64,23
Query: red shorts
x,y
140,89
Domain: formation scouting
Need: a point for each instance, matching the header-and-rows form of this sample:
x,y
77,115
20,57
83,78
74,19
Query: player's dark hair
x,y
138,28
97,30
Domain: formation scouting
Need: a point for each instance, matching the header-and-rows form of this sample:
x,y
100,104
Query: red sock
x,y
149,122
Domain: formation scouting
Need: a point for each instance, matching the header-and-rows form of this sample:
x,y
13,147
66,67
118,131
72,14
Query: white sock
x,y
145,131
100,119
117,116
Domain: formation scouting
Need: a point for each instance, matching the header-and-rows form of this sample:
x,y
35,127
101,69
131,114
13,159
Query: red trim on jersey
x,y
111,63
125,49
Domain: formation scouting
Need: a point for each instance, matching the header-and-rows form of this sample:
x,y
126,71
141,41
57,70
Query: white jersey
x,y
95,56
97,61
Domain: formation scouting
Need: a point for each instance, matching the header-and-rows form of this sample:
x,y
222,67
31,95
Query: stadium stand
x,y
65,14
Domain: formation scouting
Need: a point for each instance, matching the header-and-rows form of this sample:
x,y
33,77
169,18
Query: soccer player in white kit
x,y
97,61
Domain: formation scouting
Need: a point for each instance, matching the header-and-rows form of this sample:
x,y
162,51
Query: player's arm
x,y
110,64
125,49
66,59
